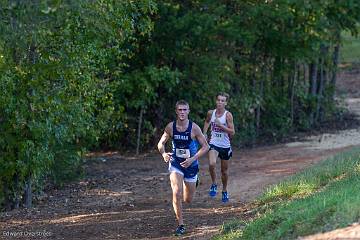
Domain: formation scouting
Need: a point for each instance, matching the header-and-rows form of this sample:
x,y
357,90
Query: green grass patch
x,y
350,49
321,198
232,229
312,179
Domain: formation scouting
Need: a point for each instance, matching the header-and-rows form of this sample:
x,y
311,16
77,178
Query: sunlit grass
x,y
350,49
321,198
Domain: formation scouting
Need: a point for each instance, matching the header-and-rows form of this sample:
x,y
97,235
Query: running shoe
x,y
225,197
180,230
213,190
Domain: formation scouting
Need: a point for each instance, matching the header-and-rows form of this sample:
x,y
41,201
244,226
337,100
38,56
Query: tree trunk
x,y
322,83
16,191
276,72
320,91
324,93
313,79
292,93
298,73
312,89
7,200
139,130
159,113
261,95
254,120
28,192
335,60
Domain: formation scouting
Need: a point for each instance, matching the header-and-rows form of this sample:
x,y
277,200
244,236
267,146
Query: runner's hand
x,y
217,122
187,162
166,156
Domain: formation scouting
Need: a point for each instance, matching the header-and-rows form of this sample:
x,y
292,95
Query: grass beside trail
x,y
322,198
350,49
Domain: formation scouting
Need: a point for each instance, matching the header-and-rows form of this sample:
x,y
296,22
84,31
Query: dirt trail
x,y
129,198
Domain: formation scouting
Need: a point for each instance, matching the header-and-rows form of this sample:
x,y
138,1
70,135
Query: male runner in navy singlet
x,y
183,160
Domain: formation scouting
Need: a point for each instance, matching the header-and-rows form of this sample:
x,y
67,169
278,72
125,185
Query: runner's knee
x,y
177,195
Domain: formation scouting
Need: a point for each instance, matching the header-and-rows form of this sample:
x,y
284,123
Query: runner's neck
x,y
220,112
182,125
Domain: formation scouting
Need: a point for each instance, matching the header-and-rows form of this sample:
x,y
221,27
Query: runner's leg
x,y
176,180
213,154
224,174
189,191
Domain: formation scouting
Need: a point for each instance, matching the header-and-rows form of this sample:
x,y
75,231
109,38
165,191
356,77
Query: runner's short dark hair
x,y
181,102
223,94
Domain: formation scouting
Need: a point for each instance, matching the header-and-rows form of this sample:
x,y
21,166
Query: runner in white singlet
x,y
221,124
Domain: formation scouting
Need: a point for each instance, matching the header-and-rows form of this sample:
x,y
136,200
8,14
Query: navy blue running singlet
x,y
184,147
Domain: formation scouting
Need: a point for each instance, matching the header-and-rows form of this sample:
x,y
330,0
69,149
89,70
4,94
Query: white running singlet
x,y
219,138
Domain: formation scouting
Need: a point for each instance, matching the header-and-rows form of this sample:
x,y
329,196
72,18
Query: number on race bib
x,y
218,135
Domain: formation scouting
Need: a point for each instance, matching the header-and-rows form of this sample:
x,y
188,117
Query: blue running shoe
x,y
180,230
213,190
225,197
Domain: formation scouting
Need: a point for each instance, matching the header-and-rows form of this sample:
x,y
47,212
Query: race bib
x,y
218,135
182,153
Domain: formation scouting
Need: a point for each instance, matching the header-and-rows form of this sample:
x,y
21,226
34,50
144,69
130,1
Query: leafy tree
x,y
57,64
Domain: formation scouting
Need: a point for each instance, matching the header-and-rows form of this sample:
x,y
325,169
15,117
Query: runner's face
x,y
182,112
221,102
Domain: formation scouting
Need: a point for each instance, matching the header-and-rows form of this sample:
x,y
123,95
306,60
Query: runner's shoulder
x,y
169,128
196,128
228,114
209,113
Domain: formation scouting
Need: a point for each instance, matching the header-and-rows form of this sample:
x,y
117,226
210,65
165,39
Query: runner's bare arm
x,y
207,122
203,143
230,124
161,144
